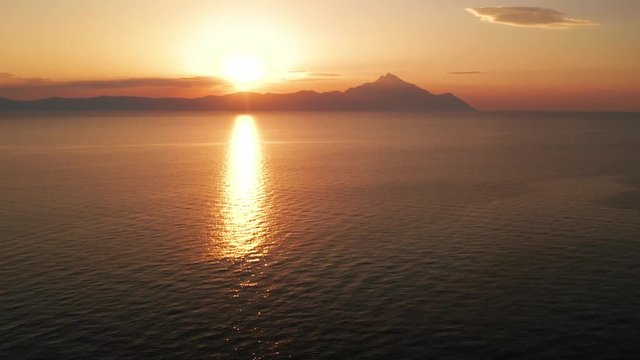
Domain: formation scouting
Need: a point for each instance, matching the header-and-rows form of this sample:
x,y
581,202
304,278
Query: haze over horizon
x,y
495,55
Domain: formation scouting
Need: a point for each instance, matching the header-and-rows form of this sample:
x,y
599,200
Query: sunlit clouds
x,y
33,88
301,75
524,16
464,72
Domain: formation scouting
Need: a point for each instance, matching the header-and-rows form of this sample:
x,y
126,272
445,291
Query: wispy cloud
x,y
303,75
465,72
112,83
323,74
535,17
17,87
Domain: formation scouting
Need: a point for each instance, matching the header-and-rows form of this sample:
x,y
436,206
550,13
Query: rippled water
x,y
328,235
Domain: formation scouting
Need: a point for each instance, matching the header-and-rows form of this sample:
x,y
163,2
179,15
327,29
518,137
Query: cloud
x,y
303,75
6,75
465,72
188,82
16,87
198,81
528,17
325,75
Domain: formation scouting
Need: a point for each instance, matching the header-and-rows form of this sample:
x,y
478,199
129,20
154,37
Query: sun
x,y
248,52
245,71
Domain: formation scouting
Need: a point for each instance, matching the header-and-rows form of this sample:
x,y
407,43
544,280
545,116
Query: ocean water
x,y
320,235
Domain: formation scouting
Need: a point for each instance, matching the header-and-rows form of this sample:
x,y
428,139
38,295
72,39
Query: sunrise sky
x,y
496,55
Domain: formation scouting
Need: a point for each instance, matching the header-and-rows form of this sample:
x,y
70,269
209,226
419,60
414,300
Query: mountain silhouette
x,y
387,93
390,92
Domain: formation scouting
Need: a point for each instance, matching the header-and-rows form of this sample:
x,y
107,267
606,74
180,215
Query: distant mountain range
x,y
388,93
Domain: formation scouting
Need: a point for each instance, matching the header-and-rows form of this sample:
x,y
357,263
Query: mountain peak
x,y
388,83
390,79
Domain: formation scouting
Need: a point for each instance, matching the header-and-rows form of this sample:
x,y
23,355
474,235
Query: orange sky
x,y
496,55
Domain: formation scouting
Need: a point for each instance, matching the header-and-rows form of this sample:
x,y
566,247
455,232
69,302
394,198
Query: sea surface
x,y
320,236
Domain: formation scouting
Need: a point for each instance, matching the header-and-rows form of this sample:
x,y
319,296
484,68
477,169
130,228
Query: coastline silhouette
x,y
387,93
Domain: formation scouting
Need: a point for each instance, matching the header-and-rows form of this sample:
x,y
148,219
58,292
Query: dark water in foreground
x,y
320,236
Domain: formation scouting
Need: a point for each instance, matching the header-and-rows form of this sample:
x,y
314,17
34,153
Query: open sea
x,y
320,236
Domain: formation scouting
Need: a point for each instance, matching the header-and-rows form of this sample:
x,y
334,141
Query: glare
x,y
247,51
243,69
244,191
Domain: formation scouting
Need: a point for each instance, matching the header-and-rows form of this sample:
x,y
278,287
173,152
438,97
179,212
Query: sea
x,y
323,235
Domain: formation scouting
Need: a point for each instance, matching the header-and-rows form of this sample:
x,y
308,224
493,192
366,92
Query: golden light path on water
x,y
244,192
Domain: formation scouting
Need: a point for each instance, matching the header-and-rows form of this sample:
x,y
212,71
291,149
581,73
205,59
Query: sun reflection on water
x,y
244,209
